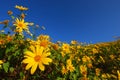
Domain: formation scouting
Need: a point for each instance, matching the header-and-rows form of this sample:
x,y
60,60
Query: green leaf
x,y
74,77
21,74
59,78
11,69
7,50
6,66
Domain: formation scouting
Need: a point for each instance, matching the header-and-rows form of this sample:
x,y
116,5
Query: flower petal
x,y
29,53
46,61
32,48
46,54
39,50
41,66
34,67
28,66
28,60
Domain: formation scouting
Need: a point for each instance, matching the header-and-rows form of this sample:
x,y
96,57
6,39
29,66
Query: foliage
x,y
25,58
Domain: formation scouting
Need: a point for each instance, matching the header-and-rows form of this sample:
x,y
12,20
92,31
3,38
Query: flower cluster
x,y
29,58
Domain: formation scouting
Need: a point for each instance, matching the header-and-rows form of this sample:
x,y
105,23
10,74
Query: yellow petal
x,y
32,48
29,65
28,60
39,50
17,20
41,66
46,61
1,61
26,23
22,20
46,54
34,67
29,53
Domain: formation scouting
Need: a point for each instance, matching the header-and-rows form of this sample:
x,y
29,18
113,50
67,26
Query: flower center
x,y
20,24
37,58
66,47
44,43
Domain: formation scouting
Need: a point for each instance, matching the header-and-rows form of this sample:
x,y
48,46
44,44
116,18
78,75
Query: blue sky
x,y
90,21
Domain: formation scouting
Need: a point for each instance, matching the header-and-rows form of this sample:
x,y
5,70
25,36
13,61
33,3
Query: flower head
x,y
10,12
21,25
83,70
5,22
43,37
73,42
97,70
1,62
36,57
43,40
21,8
70,66
64,70
66,48
2,41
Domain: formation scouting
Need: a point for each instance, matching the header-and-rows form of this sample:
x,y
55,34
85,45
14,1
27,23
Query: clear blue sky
x,y
65,20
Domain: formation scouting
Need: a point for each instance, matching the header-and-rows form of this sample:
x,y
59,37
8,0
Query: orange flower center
x,y
37,58
44,44
65,47
20,24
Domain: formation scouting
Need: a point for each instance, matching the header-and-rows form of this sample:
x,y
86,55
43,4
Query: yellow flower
x,y
97,71
73,42
83,70
2,41
63,54
44,43
70,66
21,25
55,46
21,8
1,62
43,40
69,61
37,57
66,48
43,37
112,56
64,70
94,50
86,59
78,47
